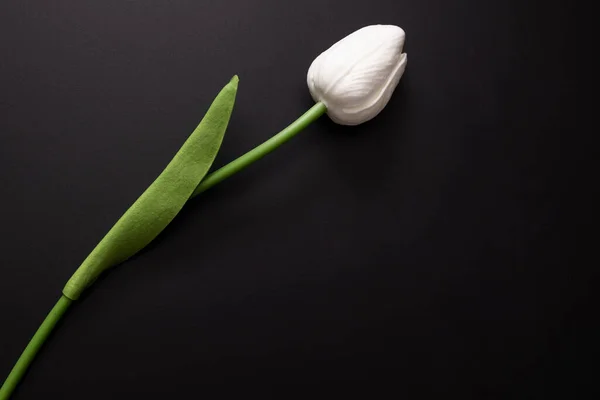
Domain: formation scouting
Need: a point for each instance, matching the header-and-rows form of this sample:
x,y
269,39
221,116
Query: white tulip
x,y
356,77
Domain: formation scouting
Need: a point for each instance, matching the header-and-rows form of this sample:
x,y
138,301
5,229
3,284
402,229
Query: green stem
x,y
219,175
262,150
33,347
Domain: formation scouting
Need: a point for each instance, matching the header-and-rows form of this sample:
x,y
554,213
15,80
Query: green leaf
x,y
163,199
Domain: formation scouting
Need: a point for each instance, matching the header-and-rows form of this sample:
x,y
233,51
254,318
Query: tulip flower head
x,y
355,78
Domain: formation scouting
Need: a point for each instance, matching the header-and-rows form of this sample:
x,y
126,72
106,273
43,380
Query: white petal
x,y
356,76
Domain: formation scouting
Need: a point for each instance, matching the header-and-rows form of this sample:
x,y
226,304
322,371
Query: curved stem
x,y
262,150
209,181
33,347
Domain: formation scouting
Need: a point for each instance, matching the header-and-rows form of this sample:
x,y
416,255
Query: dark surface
x,y
432,247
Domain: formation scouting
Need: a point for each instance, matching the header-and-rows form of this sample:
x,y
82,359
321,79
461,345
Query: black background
x,y
431,248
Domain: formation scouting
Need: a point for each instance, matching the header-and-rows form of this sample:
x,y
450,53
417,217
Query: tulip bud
x,y
356,77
